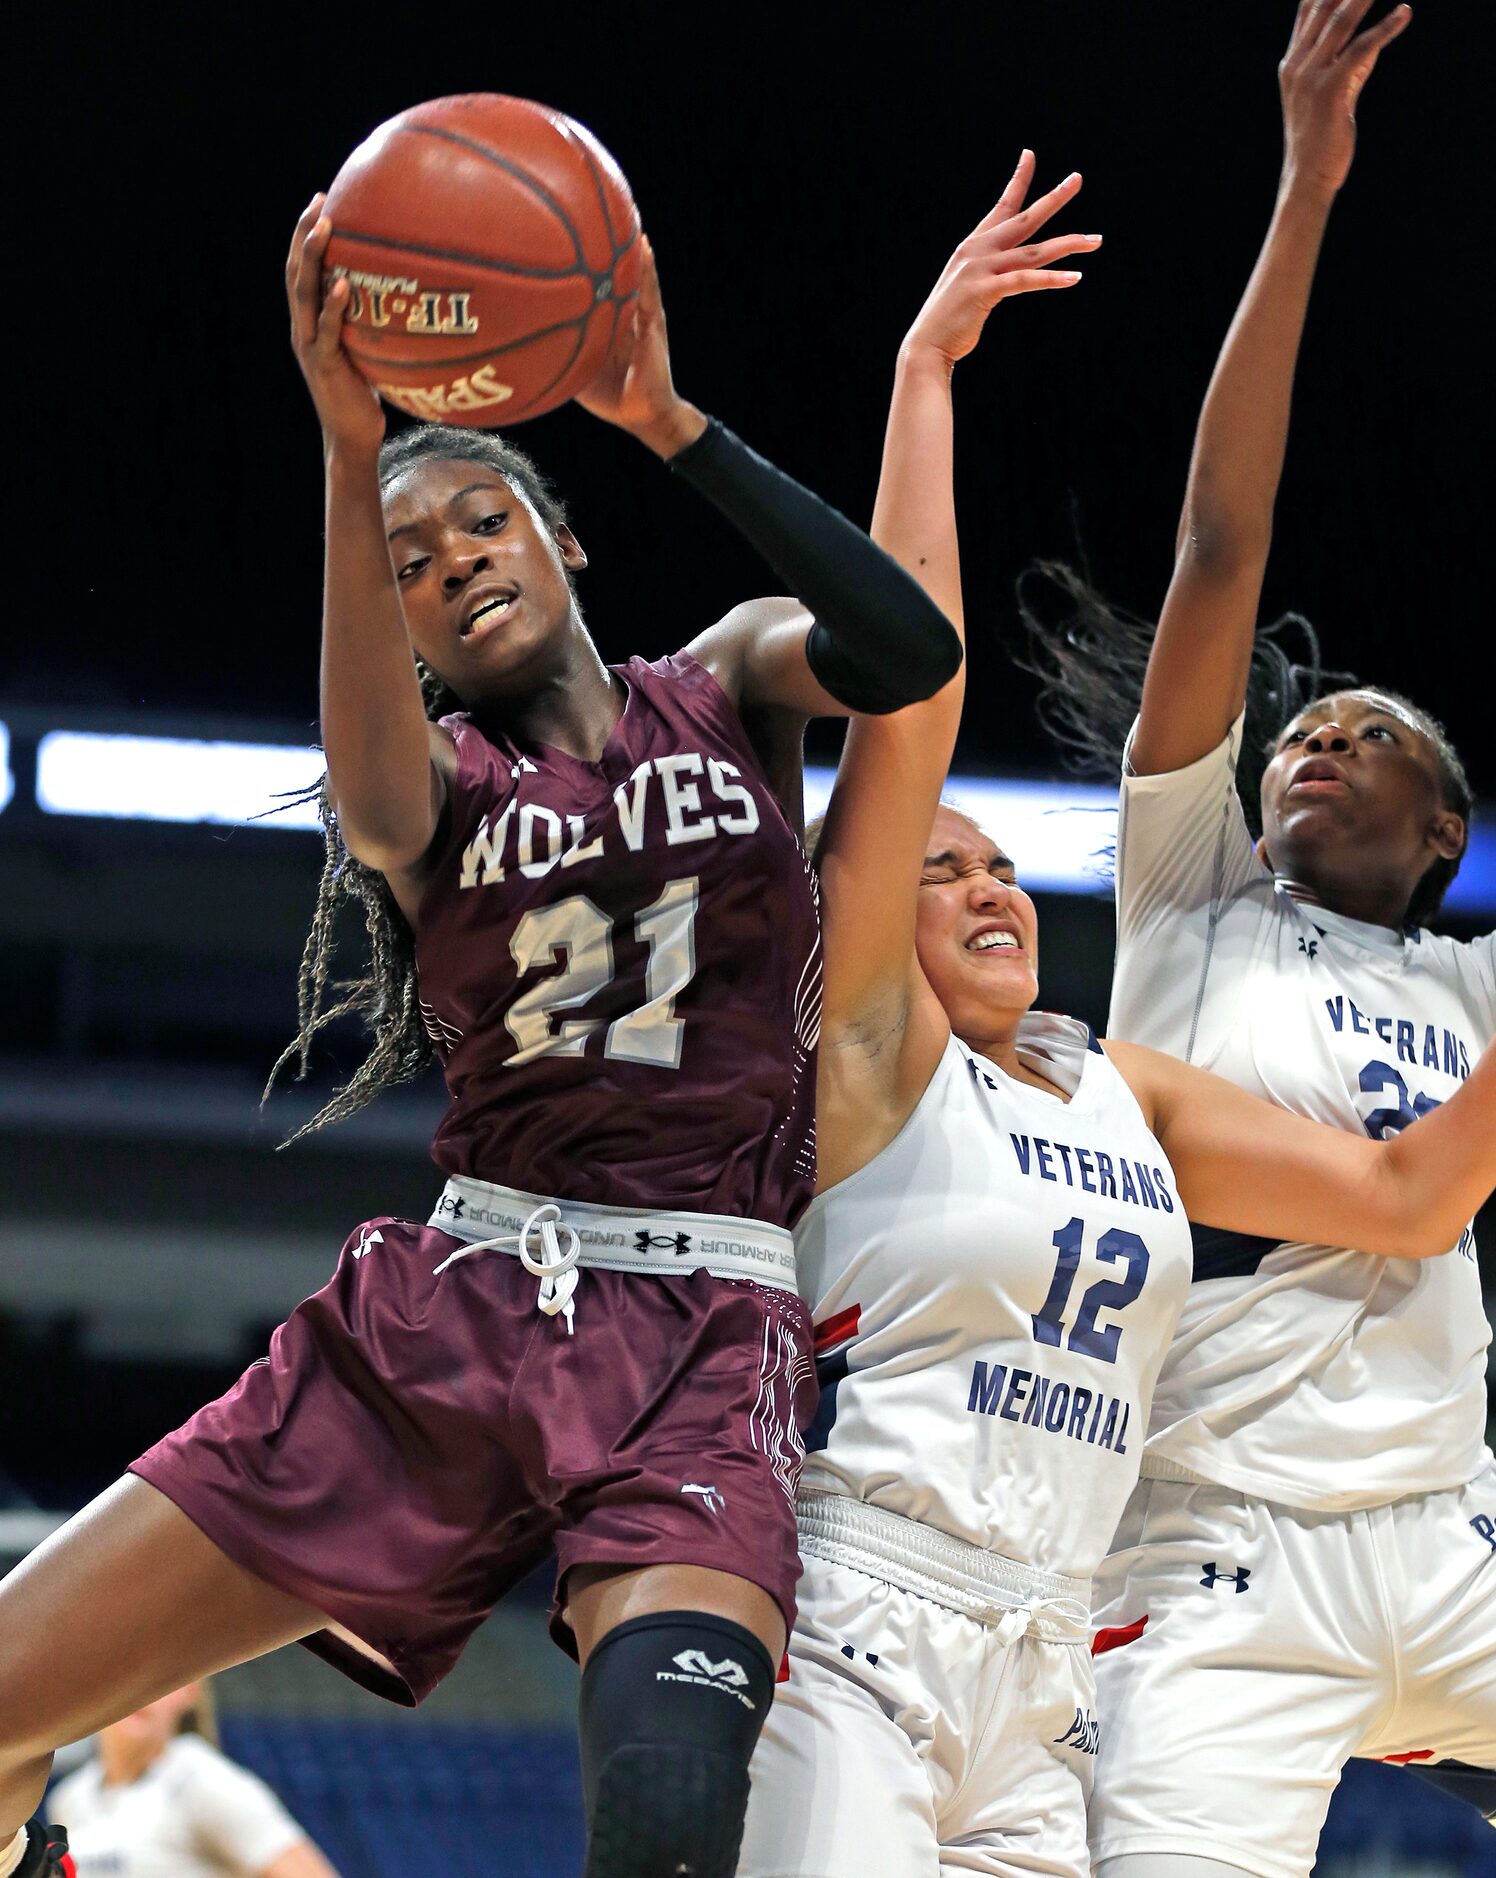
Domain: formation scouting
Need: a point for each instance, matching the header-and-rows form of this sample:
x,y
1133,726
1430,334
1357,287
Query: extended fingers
x,y
1042,253
1031,280
1019,227
328,332
1011,199
1366,47
305,222
1309,26
1340,27
304,270
651,306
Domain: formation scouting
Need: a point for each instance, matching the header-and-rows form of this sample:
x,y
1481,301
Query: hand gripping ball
x,y
491,248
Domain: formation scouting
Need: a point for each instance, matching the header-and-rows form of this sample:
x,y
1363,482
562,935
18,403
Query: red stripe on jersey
x,y
784,1668
838,1329
1114,1638
1401,1760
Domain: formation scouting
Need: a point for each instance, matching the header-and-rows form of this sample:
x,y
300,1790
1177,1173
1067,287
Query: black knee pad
x,y
1475,1785
671,1708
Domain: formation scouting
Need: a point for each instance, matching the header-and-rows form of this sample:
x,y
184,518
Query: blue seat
x,y
388,1799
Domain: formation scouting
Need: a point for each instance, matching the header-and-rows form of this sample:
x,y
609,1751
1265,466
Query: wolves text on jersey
x,y
534,838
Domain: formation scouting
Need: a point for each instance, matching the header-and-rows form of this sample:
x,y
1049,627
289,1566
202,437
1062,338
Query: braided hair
x,y
1090,657
387,998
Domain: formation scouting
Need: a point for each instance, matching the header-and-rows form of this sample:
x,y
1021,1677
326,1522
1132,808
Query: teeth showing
x,y
987,941
490,609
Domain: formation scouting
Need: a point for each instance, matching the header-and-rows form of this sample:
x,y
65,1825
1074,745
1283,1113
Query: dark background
x,y
803,173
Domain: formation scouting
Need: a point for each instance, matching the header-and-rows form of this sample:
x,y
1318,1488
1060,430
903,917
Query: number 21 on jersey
x,y
580,935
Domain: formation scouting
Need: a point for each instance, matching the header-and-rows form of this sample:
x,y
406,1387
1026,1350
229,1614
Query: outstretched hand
x,y
347,405
635,390
1321,75
998,259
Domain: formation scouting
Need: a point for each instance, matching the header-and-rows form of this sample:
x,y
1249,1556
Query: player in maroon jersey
x,y
595,1344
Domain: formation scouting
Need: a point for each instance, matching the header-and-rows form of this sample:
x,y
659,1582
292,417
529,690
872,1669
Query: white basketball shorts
x,y
910,1741
1277,1645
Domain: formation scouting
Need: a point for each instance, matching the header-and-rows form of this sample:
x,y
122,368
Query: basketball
x,y
491,246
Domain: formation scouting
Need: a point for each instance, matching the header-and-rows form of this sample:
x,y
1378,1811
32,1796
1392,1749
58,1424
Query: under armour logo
x,y
1309,947
516,770
1486,1527
661,1242
711,1498
367,1242
851,1655
730,1674
1212,1577
450,1207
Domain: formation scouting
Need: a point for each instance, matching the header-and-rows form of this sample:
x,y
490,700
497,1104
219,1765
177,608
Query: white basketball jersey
x,y
1317,1377
191,1814
993,1294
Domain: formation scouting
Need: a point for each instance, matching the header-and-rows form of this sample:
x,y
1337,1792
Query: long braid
x,y
387,996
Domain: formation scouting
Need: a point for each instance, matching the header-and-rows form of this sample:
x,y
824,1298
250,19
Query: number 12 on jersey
x,y
1115,1246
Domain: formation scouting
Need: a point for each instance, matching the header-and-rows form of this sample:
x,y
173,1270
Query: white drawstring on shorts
x,y
1016,1619
555,1269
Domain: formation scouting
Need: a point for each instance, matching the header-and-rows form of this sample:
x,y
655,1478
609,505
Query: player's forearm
x,y
374,726
1197,674
879,642
1439,1172
892,768
914,516
1243,430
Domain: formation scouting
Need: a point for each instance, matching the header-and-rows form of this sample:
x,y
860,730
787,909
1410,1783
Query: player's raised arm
x,y
375,731
1197,673
1249,1166
876,640
892,769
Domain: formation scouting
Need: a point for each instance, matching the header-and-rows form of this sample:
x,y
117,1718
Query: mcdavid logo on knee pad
x,y
1211,1577
695,1666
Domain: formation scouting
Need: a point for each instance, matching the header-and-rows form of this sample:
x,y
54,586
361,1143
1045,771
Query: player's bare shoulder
x,y
724,647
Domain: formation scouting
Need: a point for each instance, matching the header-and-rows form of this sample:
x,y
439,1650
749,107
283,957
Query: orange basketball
x,y
491,247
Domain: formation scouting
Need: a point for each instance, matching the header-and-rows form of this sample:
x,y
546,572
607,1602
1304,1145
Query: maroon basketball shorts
x,y
417,1441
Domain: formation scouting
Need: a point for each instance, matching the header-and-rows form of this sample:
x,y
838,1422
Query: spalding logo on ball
x,y
491,247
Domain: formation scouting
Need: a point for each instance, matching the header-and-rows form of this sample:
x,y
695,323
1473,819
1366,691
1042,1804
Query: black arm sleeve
x,y
878,641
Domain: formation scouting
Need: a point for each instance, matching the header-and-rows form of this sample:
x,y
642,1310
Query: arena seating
x,y
382,1798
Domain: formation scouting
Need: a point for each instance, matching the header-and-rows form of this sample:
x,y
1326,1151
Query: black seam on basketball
x,y
467,260
602,200
510,168
428,364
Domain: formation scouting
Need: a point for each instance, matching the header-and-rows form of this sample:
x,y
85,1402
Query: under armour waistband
x,y
963,1577
618,1240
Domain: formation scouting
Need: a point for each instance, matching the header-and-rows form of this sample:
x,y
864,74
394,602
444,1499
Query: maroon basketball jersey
x,y
620,964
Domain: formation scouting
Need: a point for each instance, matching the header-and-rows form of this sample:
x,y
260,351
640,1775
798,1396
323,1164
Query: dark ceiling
x,y
803,174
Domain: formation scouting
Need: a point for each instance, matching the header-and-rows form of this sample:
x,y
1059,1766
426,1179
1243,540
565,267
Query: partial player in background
x,y
995,1259
160,1801
581,887
1310,1556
